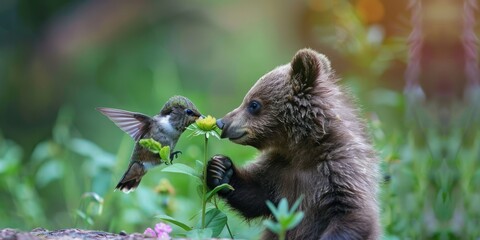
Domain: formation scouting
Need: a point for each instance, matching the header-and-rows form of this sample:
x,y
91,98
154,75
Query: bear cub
x,y
312,144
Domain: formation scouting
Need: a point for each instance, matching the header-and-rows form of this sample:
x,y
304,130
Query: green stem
x,y
281,235
204,195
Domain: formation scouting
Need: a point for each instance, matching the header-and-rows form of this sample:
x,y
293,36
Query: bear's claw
x,y
219,171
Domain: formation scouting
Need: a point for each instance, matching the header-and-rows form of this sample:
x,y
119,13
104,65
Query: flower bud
x,y
207,123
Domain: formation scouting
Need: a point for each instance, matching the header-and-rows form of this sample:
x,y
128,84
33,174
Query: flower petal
x,y
149,232
162,228
163,236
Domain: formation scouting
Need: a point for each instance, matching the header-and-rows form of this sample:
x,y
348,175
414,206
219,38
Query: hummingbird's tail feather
x,y
128,186
132,177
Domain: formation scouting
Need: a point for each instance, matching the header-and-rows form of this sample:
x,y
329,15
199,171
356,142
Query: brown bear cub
x,y
312,143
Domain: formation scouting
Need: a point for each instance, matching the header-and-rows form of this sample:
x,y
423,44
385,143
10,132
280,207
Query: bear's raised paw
x,y
219,171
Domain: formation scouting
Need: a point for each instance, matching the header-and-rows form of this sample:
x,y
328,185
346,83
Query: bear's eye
x,y
254,107
189,112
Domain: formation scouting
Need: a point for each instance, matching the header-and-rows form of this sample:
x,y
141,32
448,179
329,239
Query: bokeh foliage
x,y
60,159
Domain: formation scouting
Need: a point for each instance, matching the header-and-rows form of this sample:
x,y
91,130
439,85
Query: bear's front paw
x,y
219,171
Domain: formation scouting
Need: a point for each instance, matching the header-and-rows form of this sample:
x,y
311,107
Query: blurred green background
x,y
60,159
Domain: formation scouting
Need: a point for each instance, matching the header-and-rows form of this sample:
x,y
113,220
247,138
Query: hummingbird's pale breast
x,y
164,132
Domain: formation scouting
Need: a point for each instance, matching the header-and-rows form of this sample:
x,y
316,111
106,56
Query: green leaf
x,y
218,188
48,172
200,233
85,218
174,221
283,206
295,220
215,220
296,205
272,226
199,165
184,169
151,145
81,214
215,134
272,208
198,213
200,191
165,153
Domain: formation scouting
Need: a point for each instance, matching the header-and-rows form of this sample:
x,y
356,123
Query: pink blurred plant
x,y
161,231
149,232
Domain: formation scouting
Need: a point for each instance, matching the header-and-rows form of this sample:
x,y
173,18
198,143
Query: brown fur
x,y
313,144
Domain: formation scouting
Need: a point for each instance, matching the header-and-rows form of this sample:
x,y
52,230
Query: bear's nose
x,y
220,123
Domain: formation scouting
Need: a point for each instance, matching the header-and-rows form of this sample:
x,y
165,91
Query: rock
x,y
73,233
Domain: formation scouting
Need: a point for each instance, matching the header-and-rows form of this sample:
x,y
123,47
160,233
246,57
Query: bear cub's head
x,y
285,106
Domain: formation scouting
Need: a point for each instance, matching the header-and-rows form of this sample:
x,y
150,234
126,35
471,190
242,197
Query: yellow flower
x,y
208,123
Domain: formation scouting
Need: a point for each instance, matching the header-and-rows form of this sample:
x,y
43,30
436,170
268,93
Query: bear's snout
x,y
232,130
225,130
220,123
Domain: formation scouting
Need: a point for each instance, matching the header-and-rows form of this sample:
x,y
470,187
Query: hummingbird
x,y
166,127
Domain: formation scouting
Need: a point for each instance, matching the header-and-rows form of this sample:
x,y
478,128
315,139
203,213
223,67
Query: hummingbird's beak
x,y
198,115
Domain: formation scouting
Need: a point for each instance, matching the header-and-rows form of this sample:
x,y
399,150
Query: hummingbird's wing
x,y
135,124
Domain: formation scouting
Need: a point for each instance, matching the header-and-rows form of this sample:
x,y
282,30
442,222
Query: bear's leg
x,y
352,226
249,196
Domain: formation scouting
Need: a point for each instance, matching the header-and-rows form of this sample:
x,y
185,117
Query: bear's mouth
x,y
239,136
233,135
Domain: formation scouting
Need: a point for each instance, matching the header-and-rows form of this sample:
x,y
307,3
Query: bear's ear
x,y
307,65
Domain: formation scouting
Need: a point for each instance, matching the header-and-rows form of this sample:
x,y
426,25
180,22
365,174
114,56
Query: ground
x,y
41,233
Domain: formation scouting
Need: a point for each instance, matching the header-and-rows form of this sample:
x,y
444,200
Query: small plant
x,y
286,219
91,206
212,221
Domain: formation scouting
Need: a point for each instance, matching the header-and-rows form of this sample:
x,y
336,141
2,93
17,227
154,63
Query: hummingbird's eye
x,y
254,107
189,112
